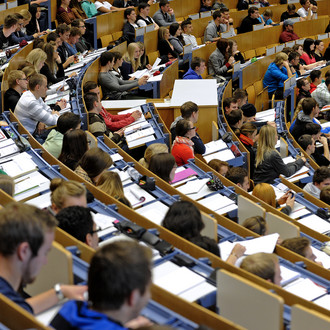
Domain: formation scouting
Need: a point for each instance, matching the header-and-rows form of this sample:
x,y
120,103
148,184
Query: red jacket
x,y
313,87
288,36
182,151
116,122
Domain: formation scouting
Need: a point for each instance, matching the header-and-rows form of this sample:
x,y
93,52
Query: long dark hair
x,y
222,45
307,47
74,146
162,165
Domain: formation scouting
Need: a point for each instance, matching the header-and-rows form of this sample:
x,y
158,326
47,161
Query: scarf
x,y
183,140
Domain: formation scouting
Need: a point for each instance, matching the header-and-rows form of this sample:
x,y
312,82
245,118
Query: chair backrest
x,y
247,209
91,139
105,40
234,300
51,273
303,318
210,229
284,228
252,94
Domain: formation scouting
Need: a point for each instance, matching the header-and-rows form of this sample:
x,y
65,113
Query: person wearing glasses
x,y
78,222
183,147
17,83
82,45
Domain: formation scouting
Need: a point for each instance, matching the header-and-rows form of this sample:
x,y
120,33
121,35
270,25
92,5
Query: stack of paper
x,y
105,223
42,201
214,146
155,212
218,203
140,137
223,155
8,148
18,165
316,223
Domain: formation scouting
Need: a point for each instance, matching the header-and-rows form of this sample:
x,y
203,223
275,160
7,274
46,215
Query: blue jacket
x,y
191,74
274,77
77,315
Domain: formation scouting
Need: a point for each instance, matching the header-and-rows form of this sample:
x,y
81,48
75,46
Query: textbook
x,y
155,212
316,223
183,174
214,146
136,195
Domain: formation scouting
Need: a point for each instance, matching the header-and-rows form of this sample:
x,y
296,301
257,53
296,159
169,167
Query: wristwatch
x,y
58,291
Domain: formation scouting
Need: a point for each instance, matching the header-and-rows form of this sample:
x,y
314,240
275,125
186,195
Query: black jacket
x,y
247,24
129,32
11,98
53,78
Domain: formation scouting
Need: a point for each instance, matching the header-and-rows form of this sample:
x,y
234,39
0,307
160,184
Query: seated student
x,y
74,37
64,32
74,146
9,27
119,281
65,193
267,16
294,64
325,195
241,96
206,6
316,80
239,176
78,222
92,165
75,6
303,86
308,53
322,93
287,33
143,18
144,60
310,110
189,111
211,33
117,63
89,8
103,6
321,179
243,4
301,246
97,124
31,109
247,136
53,36
308,10
111,184
152,149
233,50
256,224
266,193
235,120
250,20
218,4
64,13
184,219
219,165
7,184
67,122
82,45
125,3
227,25
53,68
307,143
318,52
17,83
176,39
197,68
220,61
264,265
165,15
113,122
113,87
229,104
27,234
36,58
164,166
130,25
290,13
277,72
182,148
16,36
34,24
269,163
166,50
131,61
187,29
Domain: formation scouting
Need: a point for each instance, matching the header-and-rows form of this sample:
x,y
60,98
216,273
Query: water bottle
x,y
133,173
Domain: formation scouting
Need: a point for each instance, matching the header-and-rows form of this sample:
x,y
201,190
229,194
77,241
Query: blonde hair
x,y
266,193
61,189
26,14
268,12
29,71
129,56
110,183
266,142
35,57
152,149
298,109
280,58
161,32
13,76
7,184
49,49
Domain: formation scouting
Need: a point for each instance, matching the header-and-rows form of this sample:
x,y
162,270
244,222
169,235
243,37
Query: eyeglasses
x,y
83,26
192,128
23,79
98,229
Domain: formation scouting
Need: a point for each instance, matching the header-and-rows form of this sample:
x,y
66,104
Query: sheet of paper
x,y
322,256
136,195
41,201
116,157
193,187
155,78
132,128
102,220
156,63
316,223
306,289
288,275
227,209
216,201
179,281
202,193
124,176
18,165
323,301
299,213
47,316
140,134
198,291
155,212
214,146
141,141
224,155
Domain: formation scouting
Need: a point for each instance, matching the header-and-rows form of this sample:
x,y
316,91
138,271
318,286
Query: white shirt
x,y
141,22
302,12
105,4
190,39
